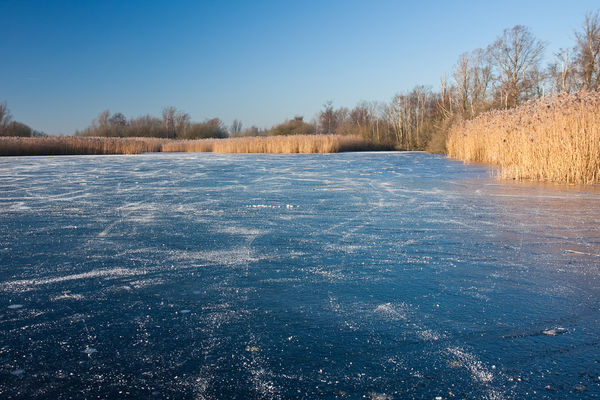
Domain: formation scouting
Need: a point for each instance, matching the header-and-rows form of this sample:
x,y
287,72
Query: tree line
x,y
505,74
8,127
174,124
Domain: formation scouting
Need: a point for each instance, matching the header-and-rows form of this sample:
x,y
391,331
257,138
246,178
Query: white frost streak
x,y
479,372
27,284
393,312
475,366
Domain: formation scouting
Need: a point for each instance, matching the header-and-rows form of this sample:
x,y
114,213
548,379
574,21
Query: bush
x,y
295,126
15,128
213,128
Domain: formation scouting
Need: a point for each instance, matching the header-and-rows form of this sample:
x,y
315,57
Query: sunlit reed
x,y
554,139
64,145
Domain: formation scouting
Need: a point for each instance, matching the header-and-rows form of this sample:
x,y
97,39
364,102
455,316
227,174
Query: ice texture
x,y
357,275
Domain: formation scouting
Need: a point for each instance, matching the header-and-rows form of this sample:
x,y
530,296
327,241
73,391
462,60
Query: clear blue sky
x,y
63,62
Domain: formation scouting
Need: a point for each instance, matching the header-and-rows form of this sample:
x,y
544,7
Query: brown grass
x,y
63,145
273,144
555,139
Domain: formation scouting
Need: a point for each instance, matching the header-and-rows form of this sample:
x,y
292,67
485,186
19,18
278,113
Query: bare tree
x,y
236,127
101,126
168,115
103,119
118,120
462,78
561,72
445,103
182,123
588,52
515,53
421,96
413,117
5,117
252,131
536,79
328,119
399,119
481,76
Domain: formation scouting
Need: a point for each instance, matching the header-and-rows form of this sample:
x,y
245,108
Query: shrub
x,y
295,126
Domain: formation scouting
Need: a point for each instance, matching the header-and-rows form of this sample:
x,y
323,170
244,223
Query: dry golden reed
x,y
273,144
554,139
63,145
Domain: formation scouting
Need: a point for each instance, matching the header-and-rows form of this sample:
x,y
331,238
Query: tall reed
x,y
556,139
273,144
63,145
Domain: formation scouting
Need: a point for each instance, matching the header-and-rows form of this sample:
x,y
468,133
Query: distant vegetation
x,y
69,145
275,144
8,127
503,76
173,125
296,126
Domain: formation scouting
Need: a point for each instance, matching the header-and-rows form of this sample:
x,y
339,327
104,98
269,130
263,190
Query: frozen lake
x,y
373,275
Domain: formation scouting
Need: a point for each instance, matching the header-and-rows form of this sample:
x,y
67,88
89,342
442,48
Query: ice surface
x,y
370,275
28,284
554,331
89,351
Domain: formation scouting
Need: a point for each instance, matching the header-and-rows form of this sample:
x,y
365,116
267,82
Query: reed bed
x,y
64,145
273,144
554,139
68,145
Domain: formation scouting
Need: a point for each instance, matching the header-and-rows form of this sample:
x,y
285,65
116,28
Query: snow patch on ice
x,y
345,248
20,206
430,335
233,230
89,351
330,274
263,206
68,296
478,371
230,257
469,361
392,312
